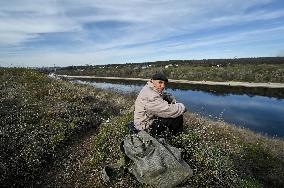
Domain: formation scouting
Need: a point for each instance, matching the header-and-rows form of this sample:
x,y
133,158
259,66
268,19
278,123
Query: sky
x,y
47,33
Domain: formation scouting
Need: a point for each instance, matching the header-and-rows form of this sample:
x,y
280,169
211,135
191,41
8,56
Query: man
x,y
156,111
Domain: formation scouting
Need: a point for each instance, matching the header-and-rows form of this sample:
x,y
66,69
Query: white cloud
x,y
146,25
10,38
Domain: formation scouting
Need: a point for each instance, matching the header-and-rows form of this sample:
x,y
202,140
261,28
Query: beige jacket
x,y
150,105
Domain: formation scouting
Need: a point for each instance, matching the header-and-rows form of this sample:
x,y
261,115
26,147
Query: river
x,y
258,109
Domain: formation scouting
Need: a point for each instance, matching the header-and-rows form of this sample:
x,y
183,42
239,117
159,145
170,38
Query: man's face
x,y
159,85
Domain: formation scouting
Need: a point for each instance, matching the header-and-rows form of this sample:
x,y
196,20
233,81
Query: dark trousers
x,y
164,127
161,127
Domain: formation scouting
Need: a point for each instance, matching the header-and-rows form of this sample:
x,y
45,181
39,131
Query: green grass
x,y
106,151
220,155
39,115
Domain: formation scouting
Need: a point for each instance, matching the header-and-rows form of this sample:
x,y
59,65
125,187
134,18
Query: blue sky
x,y
71,32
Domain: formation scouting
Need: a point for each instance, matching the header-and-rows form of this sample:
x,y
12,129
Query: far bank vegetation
x,y
265,69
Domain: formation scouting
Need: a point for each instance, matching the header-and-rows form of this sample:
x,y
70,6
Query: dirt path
x,y
70,165
244,84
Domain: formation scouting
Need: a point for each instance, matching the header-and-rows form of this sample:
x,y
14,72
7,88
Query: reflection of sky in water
x,y
262,114
118,87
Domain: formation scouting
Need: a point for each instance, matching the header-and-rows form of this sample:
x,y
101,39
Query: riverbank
x,y
41,116
242,84
254,70
220,154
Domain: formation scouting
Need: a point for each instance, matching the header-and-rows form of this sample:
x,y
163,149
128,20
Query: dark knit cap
x,y
160,76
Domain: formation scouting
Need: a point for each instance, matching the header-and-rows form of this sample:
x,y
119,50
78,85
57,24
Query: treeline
x,y
220,62
265,69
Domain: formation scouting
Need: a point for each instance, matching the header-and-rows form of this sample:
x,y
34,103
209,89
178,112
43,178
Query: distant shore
x,y
230,83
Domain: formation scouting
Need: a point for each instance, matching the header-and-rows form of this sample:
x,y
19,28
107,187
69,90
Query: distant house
x,y
144,67
169,65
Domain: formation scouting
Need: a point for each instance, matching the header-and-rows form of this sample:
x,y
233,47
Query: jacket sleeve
x,y
161,108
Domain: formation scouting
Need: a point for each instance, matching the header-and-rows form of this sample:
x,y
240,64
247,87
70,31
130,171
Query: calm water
x,y
261,110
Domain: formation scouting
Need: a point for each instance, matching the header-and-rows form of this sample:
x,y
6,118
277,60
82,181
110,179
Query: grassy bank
x,y
39,115
216,71
221,155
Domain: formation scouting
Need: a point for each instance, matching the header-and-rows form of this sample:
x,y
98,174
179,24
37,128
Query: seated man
x,y
156,111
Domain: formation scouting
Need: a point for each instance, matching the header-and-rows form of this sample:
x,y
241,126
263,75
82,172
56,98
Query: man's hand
x,y
169,98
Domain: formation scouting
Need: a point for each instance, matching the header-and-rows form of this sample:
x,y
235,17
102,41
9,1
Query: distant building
x,y
169,65
144,67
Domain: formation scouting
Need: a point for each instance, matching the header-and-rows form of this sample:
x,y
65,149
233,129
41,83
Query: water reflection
x,y
259,109
114,86
215,90
227,90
